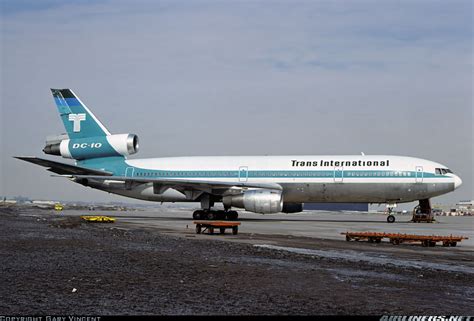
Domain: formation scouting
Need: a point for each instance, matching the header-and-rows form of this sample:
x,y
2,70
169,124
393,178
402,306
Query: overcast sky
x,y
240,78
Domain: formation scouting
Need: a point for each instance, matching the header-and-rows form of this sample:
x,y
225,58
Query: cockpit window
x,y
442,171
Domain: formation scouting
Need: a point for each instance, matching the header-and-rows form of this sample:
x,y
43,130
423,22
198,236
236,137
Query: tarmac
x,y
304,233
153,262
310,224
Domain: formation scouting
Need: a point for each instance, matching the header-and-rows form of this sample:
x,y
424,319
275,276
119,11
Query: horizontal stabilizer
x,y
61,168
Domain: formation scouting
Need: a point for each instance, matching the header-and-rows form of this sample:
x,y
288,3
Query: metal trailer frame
x,y
209,226
398,238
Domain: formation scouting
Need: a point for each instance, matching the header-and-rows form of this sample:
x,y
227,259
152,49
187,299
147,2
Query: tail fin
x,y
78,120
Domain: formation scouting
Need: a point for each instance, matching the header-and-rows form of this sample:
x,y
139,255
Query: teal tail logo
x,y
78,120
87,138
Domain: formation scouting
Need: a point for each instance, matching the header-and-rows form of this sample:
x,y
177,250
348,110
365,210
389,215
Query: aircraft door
x,y
338,174
243,173
129,172
419,174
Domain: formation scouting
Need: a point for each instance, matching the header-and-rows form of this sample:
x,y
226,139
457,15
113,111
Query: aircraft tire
x,y
233,215
221,215
390,219
197,215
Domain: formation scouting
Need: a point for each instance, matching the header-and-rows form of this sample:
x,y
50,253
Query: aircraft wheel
x,y
233,215
390,219
221,215
197,215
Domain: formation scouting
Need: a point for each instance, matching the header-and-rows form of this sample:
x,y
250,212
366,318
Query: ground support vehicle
x,y
421,214
398,238
209,226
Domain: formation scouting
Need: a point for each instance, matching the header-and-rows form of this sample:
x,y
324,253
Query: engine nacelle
x,y
257,201
292,207
93,147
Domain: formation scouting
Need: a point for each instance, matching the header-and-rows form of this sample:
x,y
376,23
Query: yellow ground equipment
x,y
98,219
58,207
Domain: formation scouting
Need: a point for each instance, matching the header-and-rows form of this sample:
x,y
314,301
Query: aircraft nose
x,y
457,181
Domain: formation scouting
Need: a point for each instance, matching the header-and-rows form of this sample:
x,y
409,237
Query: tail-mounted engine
x,y
92,147
258,201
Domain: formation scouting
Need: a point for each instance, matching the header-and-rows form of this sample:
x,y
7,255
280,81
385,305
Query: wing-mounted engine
x,y
92,147
258,201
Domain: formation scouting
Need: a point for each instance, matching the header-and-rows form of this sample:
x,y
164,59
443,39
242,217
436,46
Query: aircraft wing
x,y
63,169
201,185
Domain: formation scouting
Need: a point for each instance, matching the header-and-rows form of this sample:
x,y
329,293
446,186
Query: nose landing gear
x,y
390,217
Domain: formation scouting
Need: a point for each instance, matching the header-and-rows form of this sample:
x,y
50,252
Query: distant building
x,y
361,207
466,206
44,202
5,201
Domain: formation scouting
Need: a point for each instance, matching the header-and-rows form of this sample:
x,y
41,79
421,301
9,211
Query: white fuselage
x,y
348,178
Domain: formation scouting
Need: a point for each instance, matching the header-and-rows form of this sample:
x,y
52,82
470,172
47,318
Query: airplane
x,y
259,184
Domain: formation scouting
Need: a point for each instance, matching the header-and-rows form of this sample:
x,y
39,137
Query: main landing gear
x,y
215,215
207,214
